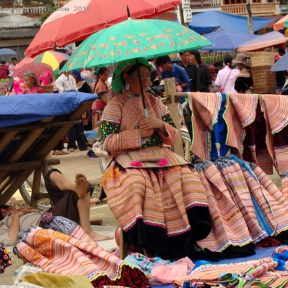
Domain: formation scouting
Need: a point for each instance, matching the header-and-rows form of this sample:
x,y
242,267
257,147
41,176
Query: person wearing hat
x,y
157,198
244,82
31,84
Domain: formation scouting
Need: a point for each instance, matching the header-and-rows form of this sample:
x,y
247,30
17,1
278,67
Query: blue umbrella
x,y
281,64
7,52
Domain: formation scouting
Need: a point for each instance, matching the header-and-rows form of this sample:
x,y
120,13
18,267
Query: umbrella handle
x,y
141,89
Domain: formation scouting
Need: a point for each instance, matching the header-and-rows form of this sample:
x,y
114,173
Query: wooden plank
x,y
36,187
123,246
38,125
6,138
5,183
26,143
170,92
28,164
19,180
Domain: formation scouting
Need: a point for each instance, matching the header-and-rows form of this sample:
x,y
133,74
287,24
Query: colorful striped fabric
x,y
159,198
276,107
265,139
243,274
229,226
284,184
240,112
205,108
77,254
245,205
236,183
270,199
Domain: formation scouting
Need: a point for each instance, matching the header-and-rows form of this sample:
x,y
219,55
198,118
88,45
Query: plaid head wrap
x,y
122,67
33,75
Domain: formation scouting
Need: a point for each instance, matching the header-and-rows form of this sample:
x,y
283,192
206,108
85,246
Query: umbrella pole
x,y
141,88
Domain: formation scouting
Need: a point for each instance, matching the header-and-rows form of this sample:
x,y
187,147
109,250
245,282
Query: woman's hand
x,y
146,133
151,122
22,211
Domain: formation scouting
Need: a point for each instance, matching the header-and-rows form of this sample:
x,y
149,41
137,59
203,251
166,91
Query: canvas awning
x,y
266,40
226,41
207,22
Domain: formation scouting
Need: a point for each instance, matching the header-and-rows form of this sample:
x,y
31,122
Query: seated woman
x,y
31,83
154,194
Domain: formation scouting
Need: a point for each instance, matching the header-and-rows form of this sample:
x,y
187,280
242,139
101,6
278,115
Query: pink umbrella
x,y
37,68
78,19
22,62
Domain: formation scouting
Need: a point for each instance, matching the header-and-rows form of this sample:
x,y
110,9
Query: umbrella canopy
x,y
226,41
263,41
133,39
281,64
37,68
78,19
280,24
51,58
207,22
7,52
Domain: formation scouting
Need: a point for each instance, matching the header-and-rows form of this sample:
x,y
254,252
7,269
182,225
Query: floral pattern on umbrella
x,y
37,68
133,39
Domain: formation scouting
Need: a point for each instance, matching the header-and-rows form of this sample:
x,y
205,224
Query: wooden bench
x,y
23,149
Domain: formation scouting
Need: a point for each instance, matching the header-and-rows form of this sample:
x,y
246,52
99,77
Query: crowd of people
x,y
156,196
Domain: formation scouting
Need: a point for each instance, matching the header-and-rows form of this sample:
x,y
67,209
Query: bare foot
x,y
81,185
98,237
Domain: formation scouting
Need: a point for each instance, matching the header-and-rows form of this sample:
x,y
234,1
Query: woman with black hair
x,y
203,71
225,80
101,85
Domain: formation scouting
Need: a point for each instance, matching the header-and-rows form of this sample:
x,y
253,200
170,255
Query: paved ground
x,y
70,165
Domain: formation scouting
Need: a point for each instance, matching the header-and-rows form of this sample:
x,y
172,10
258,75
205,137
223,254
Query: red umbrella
x,y
37,68
78,19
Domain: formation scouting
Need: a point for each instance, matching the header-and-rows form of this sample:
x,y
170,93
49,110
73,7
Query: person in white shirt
x,y
65,81
11,66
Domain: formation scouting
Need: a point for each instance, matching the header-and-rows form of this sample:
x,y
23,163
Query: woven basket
x,y
264,81
48,88
262,59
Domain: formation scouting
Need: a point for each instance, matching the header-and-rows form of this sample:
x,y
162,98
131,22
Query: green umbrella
x,y
133,39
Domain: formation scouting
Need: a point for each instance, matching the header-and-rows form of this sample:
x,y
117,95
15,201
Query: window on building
x,y
227,2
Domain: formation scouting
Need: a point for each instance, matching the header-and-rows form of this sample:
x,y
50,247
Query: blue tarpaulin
x,y
207,22
21,109
226,41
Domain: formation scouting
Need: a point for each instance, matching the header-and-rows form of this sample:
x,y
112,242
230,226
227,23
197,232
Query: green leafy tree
x,y
49,10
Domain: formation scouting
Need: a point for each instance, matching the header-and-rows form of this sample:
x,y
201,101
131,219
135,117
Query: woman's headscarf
x,y
46,77
122,67
32,74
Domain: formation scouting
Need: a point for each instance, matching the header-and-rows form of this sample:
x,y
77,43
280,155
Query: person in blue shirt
x,y
170,70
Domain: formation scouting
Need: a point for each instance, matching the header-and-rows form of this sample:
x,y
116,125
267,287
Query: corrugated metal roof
x,y
20,34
